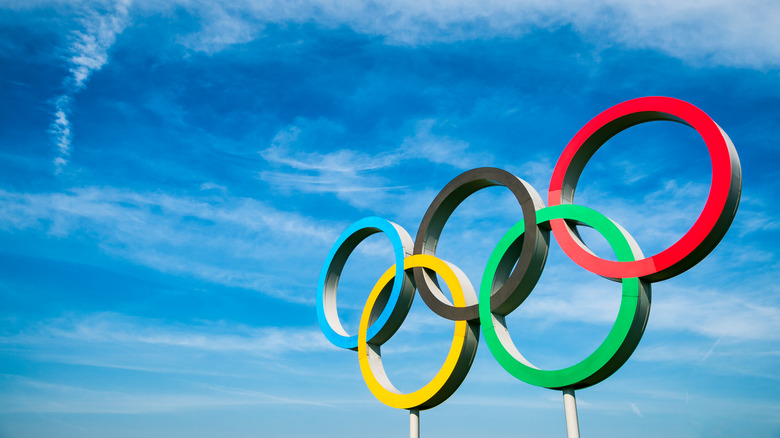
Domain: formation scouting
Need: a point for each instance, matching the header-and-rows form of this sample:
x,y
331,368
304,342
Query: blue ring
x,y
345,244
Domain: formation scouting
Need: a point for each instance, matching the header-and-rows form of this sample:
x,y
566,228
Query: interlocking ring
x,y
399,301
533,251
459,358
621,340
516,263
706,232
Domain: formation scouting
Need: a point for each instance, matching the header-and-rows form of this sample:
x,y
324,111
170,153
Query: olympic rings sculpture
x,y
518,259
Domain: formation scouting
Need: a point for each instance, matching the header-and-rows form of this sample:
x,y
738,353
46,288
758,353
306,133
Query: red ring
x,y
706,232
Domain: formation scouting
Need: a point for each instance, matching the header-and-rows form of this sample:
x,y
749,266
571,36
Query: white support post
x,y
414,423
570,407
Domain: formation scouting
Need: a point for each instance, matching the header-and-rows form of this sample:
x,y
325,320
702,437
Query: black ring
x,y
530,254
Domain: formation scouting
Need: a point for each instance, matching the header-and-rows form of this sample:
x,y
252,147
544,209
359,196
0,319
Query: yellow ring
x,y
459,358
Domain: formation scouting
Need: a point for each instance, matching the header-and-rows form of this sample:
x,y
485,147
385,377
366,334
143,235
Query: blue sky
x,y
174,175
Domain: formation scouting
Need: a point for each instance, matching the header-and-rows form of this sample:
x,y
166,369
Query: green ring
x,y
622,338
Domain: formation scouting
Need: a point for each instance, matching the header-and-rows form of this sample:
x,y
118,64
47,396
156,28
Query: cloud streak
x,y
705,312
224,241
109,328
38,396
350,174
636,410
88,53
718,32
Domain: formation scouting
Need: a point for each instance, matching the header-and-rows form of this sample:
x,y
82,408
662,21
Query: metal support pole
x,y
570,407
414,423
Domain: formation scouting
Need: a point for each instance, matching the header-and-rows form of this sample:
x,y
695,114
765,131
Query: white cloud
x,y
351,174
718,32
137,333
220,349
60,128
716,314
89,47
347,173
440,149
88,53
39,396
732,314
756,358
709,352
234,242
339,162
752,216
220,28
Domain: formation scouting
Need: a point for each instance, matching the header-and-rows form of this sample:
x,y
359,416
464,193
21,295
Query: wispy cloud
x,y
754,216
227,241
110,342
347,173
706,312
717,314
340,162
88,50
350,174
709,352
109,328
39,396
719,32
223,24
289,147
440,149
